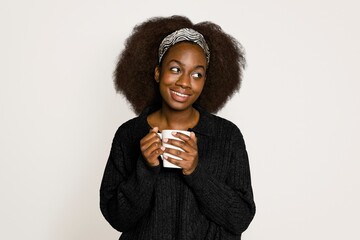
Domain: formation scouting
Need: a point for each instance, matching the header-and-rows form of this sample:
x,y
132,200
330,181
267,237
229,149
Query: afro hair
x,y
134,73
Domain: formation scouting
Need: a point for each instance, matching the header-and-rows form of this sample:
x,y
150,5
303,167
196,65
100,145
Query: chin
x,y
178,106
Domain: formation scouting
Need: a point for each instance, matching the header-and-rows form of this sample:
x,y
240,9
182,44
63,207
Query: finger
x,y
191,140
185,165
174,161
149,139
145,145
175,142
175,152
187,146
154,151
189,157
152,133
155,129
180,135
153,146
193,137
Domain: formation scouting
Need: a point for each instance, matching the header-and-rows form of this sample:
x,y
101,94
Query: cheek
x,y
199,86
164,86
168,78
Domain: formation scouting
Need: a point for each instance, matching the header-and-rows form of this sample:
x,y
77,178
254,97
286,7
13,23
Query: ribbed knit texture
x,y
214,202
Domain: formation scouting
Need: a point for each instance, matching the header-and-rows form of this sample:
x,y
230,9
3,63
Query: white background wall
x,y
298,108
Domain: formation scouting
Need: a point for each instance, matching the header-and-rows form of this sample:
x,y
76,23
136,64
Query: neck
x,y
181,120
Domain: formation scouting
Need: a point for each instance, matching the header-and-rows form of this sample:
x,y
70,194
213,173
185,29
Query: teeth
x,y
179,94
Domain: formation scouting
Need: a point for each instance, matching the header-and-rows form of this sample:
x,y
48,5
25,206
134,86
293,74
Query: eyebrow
x,y
180,63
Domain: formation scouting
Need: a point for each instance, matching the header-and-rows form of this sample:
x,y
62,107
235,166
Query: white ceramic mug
x,y
168,134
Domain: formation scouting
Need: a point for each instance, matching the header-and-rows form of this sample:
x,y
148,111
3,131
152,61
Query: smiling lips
x,y
179,96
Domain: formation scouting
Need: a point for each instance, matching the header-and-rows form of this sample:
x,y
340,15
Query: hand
x,y
189,157
151,147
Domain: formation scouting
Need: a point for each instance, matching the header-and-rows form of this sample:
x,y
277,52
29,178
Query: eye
x,y
175,69
197,75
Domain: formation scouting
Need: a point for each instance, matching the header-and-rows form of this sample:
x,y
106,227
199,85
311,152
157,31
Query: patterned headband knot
x,y
184,34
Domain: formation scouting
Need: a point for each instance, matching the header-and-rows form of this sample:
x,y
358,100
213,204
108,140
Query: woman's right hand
x,y
151,147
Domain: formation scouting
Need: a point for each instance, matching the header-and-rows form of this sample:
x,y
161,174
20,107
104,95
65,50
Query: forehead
x,y
186,50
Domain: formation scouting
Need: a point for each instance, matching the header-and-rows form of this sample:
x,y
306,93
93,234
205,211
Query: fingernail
x,y
174,133
162,148
165,140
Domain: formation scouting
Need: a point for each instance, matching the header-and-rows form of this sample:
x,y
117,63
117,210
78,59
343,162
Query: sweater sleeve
x,y
229,204
125,195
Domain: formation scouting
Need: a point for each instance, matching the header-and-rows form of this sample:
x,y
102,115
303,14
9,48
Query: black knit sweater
x,y
214,202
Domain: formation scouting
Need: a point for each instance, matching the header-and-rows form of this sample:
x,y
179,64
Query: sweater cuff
x,y
196,176
151,169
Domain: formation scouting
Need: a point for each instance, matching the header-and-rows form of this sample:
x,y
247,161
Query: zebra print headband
x,y
184,34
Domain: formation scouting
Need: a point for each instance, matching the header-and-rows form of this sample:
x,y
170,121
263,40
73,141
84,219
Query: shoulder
x,y
123,132
218,123
219,128
134,128
228,128
131,123
224,123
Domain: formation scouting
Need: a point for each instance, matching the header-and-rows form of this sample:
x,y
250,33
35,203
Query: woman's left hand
x,y
189,157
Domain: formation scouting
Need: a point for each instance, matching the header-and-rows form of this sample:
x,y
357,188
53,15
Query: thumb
x,y
193,136
155,129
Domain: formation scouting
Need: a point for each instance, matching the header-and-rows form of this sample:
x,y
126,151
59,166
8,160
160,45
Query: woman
x,y
175,73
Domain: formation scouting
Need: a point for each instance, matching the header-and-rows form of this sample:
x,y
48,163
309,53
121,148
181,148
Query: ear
x,y
157,74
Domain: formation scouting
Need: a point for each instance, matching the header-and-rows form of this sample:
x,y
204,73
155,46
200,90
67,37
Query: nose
x,y
184,81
